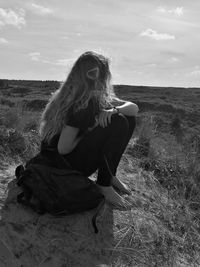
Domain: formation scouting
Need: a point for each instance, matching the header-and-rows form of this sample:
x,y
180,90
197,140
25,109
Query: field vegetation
x,y
161,165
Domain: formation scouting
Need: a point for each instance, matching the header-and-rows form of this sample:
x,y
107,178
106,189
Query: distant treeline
x,y
5,83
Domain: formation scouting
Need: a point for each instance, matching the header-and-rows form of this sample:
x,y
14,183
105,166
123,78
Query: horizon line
x,y
131,85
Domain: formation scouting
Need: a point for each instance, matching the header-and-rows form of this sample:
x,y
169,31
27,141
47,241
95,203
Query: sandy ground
x,y
6,176
26,237
6,257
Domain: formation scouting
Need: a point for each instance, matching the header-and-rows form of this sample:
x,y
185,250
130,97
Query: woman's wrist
x,y
116,110
127,109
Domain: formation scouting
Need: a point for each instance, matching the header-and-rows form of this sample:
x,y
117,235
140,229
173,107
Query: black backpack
x,y
60,192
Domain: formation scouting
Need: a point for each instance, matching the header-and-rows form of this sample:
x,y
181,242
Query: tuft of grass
x,y
7,102
176,128
163,228
19,137
159,231
140,146
34,105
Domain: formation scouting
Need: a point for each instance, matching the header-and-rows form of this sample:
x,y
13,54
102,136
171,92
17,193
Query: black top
x,y
82,119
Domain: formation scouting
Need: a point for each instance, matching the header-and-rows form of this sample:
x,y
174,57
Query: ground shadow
x,y
43,240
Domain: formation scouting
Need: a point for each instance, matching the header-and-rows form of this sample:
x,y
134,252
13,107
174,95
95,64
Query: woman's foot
x,y
113,198
122,187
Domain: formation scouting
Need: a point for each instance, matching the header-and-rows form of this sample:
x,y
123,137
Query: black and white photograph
x,y
99,133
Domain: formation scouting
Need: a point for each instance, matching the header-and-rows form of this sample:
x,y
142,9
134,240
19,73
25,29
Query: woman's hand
x,y
104,118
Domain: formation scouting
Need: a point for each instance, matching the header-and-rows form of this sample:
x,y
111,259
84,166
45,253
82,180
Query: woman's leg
x,y
102,149
116,182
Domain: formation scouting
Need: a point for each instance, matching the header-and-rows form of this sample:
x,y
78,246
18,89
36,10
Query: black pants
x,y
102,148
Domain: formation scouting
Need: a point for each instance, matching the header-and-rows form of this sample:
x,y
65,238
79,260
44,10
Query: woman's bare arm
x,y
68,139
128,108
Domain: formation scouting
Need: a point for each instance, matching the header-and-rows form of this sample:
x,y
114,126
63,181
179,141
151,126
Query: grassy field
x,y
161,165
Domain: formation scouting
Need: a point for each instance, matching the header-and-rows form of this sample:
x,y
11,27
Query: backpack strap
x,y
94,218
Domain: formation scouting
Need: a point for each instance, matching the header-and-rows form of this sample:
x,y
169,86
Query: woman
x,y
81,124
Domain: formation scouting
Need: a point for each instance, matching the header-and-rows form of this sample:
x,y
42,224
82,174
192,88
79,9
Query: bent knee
x,y
131,122
120,122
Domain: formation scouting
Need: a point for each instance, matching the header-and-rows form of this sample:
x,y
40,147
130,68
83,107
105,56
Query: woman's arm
x,y
68,139
128,108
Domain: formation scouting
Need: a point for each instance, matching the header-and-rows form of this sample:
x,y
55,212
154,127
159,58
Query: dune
x,y
28,239
161,166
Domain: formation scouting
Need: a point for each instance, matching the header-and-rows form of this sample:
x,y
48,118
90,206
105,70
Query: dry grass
x,y
19,138
163,228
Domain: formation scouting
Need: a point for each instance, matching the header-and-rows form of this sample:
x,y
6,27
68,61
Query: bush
x,y
32,140
16,142
7,102
34,105
12,141
176,128
141,146
3,83
18,146
11,118
30,125
20,90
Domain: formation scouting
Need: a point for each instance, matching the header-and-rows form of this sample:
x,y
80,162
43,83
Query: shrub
x,y
34,105
176,123
32,141
16,142
3,83
141,146
176,128
7,102
12,141
20,90
31,124
11,118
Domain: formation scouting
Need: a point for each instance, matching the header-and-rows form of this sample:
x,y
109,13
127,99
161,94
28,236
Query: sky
x,y
149,42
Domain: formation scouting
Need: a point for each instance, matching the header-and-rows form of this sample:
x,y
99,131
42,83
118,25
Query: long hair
x,y
89,78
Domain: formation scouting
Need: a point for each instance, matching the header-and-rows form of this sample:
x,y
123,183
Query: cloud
x,y
61,62
157,36
3,41
64,62
172,53
151,65
41,10
195,72
34,56
173,60
178,11
10,17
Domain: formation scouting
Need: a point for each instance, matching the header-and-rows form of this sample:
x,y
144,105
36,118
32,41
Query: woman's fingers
x,y
105,118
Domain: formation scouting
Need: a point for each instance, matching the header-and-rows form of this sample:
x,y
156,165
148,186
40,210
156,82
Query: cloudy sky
x,y
149,42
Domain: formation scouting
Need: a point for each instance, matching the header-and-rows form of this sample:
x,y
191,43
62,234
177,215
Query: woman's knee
x,y
131,122
123,125
119,123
